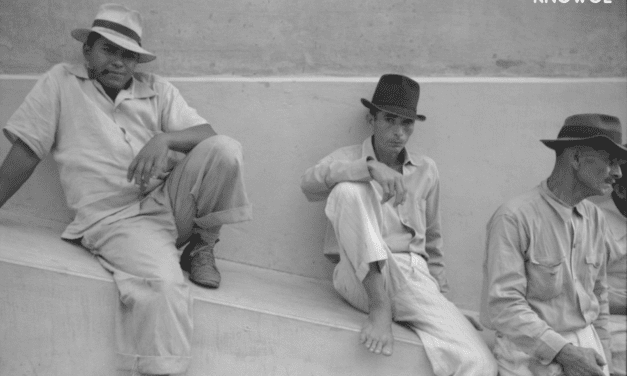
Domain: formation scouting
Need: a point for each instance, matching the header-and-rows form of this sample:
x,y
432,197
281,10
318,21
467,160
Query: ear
x,y
574,158
86,50
370,119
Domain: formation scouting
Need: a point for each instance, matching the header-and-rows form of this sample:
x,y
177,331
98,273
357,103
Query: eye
x,y
129,55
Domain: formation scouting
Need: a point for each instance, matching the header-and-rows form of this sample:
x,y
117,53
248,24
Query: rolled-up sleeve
x,y
176,114
35,121
507,307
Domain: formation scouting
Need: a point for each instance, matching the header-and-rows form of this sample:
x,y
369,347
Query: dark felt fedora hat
x,y
596,130
396,94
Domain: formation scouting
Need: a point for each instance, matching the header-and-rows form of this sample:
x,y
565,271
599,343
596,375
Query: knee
x,y
223,148
161,286
349,190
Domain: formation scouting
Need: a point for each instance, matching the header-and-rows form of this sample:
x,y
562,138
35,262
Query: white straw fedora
x,y
121,26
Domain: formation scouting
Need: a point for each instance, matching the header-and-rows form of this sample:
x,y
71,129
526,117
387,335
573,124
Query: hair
x,y
92,38
374,111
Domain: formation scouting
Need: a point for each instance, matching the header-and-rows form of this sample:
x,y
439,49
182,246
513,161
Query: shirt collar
x,y
367,150
565,211
137,90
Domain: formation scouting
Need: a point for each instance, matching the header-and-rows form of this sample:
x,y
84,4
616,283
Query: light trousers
x,y
514,362
618,330
154,320
450,341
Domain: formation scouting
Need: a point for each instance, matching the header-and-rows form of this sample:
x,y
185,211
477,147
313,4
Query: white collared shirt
x,y
545,272
94,139
414,226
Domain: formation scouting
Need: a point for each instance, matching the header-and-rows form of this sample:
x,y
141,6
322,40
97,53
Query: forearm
x,y
16,169
319,180
185,140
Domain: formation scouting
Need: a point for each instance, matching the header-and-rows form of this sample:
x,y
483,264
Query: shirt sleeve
x,y
176,114
35,121
601,293
318,181
507,307
433,234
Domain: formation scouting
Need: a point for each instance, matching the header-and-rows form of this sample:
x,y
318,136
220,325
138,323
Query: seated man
x,y
383,203
614,207
107,126
545,285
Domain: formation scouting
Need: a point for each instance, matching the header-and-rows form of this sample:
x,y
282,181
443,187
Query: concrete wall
x,y
340,38
483,134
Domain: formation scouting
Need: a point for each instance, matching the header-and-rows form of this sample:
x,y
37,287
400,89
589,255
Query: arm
x,y
601,292
16,169
506,305
152,159
318,181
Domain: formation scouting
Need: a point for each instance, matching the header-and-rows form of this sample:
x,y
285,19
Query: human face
x,y
112,65
597,171
391,132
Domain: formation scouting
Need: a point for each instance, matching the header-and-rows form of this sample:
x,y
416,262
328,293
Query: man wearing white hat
x,y
144,174
545,285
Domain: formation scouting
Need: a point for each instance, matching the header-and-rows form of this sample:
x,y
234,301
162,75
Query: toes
x,y
378,348
387,349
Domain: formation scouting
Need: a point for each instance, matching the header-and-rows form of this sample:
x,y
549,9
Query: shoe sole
x,y
211,285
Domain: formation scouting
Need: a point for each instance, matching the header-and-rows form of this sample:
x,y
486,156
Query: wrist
x,y
559,357
166,139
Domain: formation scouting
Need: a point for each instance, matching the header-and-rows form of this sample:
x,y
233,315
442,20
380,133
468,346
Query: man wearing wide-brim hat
x,y
383,205
143,172
545,285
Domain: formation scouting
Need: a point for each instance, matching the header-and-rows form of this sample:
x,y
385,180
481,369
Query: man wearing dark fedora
x,y
545,285
383,207
144,174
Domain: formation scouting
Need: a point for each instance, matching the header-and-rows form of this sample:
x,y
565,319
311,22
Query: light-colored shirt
x,y
414,226
617,261
545,272
94,139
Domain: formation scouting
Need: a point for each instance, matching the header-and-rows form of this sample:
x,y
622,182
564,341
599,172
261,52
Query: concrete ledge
x,y
57,306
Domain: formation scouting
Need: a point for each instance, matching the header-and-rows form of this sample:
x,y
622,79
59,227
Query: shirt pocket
x,y
545,277
592,266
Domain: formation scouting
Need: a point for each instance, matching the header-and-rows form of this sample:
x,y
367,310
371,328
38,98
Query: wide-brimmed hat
x,y
121,26
597,130
396,94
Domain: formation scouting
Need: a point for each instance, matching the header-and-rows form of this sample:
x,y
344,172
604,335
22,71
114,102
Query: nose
x,y
615,170
116,59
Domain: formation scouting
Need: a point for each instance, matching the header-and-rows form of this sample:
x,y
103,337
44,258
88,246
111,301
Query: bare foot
x,y
376,332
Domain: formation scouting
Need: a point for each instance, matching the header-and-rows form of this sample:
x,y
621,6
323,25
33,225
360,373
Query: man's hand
x,y
151,161
390,180
580,361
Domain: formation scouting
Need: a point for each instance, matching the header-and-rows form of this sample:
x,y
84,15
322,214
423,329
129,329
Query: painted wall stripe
x,y
495,80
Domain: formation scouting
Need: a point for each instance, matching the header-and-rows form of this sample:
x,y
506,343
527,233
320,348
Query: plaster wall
x,y
339,38
483,134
